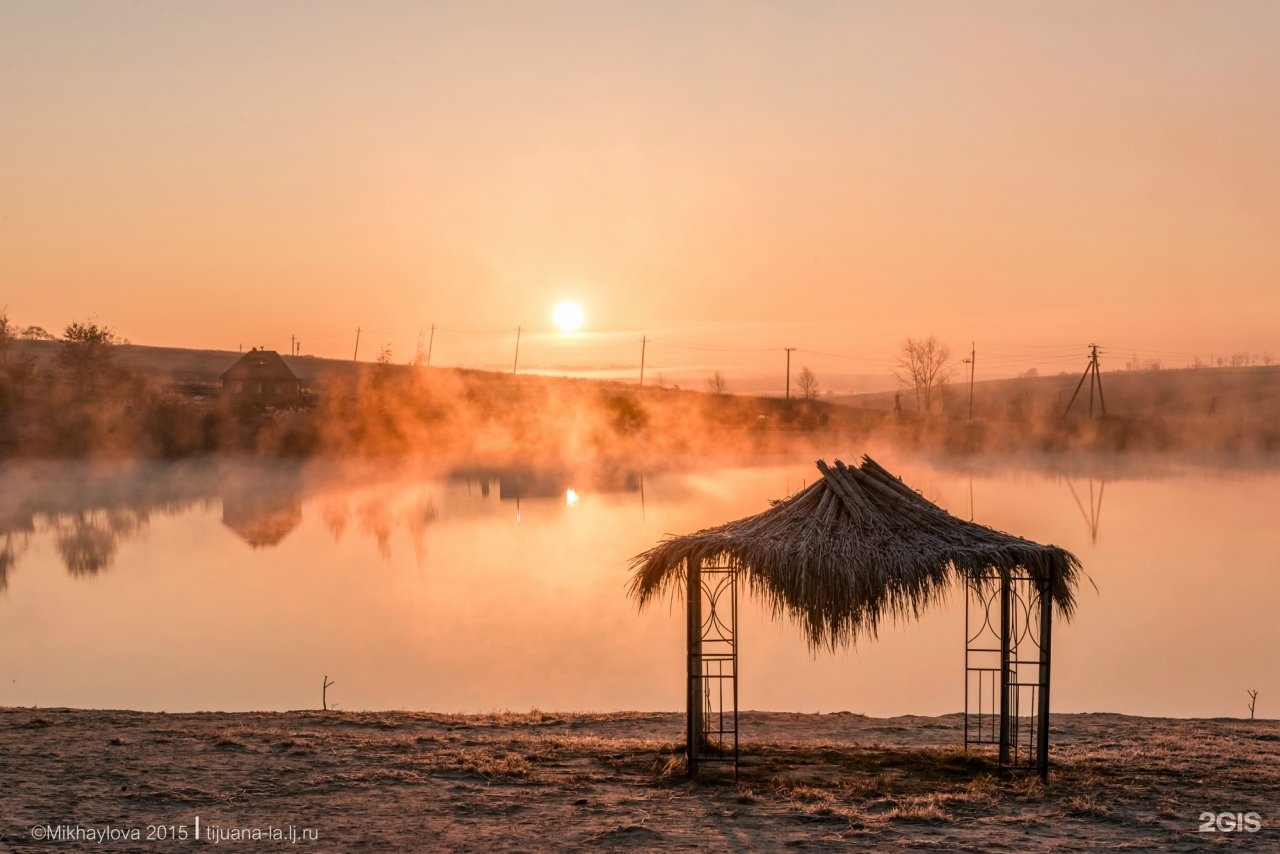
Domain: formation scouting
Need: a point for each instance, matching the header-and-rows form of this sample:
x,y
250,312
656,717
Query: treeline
x,y
80,402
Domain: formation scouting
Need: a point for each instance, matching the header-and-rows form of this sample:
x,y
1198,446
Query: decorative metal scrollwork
x,y
713,666
1007,669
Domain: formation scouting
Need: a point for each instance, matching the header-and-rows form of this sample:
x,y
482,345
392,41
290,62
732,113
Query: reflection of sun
x,y
568,315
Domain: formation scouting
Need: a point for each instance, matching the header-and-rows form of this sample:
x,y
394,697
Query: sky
x,y
724,179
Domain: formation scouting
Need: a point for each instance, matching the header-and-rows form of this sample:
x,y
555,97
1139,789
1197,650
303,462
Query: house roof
x,y
852,547
260,365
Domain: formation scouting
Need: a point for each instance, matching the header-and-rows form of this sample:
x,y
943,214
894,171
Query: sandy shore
x,y
403,781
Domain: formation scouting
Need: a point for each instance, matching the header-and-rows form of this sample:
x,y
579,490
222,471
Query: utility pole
x,y
789,351
1091,373
430,343
643,343
357,352
515,364
293,345
971,362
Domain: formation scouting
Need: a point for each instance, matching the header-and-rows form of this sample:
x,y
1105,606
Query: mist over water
x,y
239,584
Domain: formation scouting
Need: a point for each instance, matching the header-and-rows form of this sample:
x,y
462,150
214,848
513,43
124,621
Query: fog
x,y
452,418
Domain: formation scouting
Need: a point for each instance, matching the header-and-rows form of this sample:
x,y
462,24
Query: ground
x,y
405,781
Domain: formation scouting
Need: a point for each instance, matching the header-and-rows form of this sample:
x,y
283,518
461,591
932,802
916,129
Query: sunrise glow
x,y
568,316
374,377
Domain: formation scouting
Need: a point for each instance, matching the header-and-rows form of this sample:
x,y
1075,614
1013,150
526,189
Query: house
x,y
261,378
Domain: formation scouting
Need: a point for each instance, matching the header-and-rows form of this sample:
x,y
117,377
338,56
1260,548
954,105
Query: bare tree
x,y
807,383
86,351
717,383
925,366
16,369
324,693
8,332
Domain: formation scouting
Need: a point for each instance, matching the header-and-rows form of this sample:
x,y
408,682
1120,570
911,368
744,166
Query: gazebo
x,y
839,555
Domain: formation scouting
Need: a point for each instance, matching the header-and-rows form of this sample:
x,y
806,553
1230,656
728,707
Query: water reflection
x,y
261,513
88,511
87,540
14,544
1092,516
416,589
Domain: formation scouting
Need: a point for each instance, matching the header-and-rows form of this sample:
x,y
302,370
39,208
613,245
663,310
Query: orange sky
x,y
830,176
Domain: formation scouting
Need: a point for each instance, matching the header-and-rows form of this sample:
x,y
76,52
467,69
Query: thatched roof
x,y
853,546
265,365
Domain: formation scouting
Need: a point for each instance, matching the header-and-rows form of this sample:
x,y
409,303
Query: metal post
x,y
734,617
967,597
693,567
1005,676
1042,722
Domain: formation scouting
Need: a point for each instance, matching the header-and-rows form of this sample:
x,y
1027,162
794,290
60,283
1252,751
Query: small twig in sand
x,y
324,692
1253,699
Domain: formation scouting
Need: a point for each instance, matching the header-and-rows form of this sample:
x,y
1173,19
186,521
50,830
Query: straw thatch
x,y
856,545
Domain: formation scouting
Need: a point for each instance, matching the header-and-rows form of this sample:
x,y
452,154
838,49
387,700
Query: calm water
x,y
240,586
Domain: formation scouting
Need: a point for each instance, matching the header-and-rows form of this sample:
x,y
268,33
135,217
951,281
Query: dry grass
x,y
618,781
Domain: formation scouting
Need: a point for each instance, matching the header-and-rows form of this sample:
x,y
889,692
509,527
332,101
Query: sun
x,y
568,315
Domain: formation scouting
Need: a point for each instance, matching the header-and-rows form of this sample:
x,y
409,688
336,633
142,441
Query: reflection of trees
x,y
375,520
419,518
9,557
379,517
86,509
335,514
87,541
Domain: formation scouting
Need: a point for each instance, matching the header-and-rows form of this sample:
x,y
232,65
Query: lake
x,y
241,585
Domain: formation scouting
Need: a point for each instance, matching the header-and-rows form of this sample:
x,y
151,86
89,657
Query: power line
x,y
868,360
713,348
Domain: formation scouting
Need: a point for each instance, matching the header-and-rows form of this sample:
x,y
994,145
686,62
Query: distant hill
x,y
167,401
183,366
1128,394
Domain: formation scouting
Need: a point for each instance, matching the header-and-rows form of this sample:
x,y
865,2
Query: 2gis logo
x,y
1230,822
